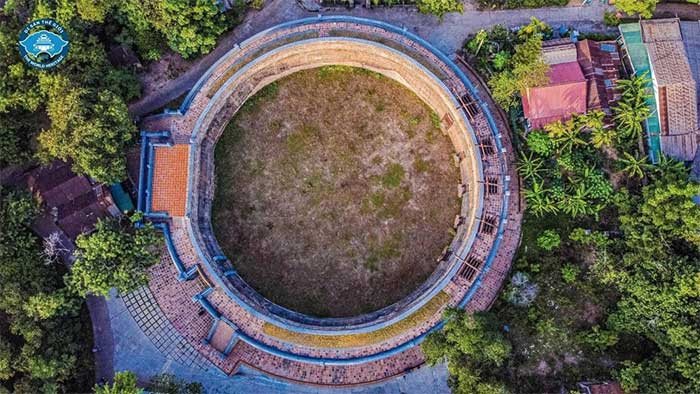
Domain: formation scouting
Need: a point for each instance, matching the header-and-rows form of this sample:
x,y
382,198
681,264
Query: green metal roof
x,y
637,52
121,198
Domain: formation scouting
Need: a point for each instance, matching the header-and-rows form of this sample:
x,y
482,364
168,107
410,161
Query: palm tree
x,y
632,110
530,167
603,137
667,165
633,166
576,204
538,200
571,137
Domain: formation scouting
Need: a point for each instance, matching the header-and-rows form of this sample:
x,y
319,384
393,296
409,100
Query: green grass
x,y
393,176
297,141
268,92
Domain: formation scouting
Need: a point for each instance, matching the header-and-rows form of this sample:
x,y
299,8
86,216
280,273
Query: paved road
x,y
448,35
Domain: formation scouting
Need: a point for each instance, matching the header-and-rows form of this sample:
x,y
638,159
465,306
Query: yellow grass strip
x,y
356,340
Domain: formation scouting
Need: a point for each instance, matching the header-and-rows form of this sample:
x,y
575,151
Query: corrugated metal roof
x,y
639,59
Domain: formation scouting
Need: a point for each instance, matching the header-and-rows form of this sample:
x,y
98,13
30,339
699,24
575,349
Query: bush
x,y
548,240
569,273
539,142
114,256
440,7
611,19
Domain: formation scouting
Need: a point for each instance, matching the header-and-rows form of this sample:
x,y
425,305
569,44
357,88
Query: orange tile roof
x,y
170,173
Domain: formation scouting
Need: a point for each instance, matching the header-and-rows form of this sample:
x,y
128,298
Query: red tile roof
x,y
565,95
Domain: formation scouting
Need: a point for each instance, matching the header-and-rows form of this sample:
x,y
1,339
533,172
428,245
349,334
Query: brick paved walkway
x,y
155,325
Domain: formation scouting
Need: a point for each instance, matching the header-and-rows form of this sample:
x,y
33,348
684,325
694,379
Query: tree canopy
x,y
473,347
78,111
115,255
526,68
645,8
440,7
43,347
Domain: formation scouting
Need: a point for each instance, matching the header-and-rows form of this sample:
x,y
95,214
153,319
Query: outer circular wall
x,y
306,54
201,291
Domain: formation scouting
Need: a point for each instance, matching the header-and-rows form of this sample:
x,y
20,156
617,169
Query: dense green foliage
x,y
521,3
656,269
645,8
116,255
511,62
124,383
78,112
619,299
440,7
44,344
170,384
472,344
606,283
562,169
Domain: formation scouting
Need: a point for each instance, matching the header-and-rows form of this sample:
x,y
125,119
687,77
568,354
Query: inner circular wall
x,y
315,53
317,176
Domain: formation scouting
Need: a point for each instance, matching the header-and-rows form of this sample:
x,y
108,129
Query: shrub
x,y
540,142
569,273
611,19
115,255
440,7
548,240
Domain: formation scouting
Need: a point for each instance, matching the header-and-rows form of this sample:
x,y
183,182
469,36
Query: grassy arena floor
x,y
335,191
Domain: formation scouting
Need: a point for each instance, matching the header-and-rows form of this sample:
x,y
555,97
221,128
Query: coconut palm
x,y
633,166
530,167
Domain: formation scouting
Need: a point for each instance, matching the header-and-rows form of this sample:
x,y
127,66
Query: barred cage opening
x,y
491,185
488,225
486,146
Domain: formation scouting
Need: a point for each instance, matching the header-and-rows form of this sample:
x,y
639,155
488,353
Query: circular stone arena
x,y
215,315
354,187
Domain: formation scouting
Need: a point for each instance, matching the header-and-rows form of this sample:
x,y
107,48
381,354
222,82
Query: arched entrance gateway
x,y
227,322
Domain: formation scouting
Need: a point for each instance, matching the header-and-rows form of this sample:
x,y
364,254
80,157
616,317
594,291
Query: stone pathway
x,y
135,351
447,36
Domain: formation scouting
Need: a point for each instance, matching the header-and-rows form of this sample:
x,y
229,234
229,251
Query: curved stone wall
x,y
195,284
314,53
